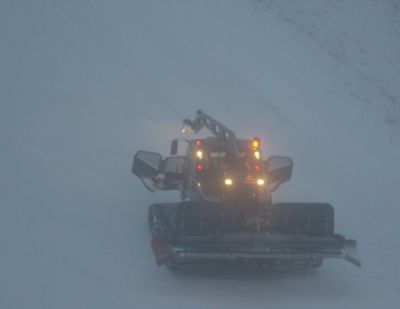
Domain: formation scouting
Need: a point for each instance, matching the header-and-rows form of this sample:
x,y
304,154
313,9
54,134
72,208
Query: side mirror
x,y
146,164
174,147
279,170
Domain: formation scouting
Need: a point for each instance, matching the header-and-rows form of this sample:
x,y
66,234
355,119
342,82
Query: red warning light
x,y
199,167
198,142
257,168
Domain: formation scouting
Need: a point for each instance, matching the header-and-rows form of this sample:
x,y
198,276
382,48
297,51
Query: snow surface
x,y
84,84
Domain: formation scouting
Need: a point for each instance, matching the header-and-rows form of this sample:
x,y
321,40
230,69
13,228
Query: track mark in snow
x,y
369,79
129,68
350,50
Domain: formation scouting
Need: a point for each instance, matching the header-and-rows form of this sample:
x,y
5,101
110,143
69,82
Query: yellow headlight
x,y
199,154
228,181
255,143
260,182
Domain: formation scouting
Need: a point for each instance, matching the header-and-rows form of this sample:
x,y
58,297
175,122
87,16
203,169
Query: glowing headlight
x,y
257,155
260,182
228,182
199,154
255,143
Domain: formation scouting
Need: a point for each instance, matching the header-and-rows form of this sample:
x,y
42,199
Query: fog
x,y
84,84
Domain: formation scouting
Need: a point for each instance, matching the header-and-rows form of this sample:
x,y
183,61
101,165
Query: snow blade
x,y
184,235
266,248
351,254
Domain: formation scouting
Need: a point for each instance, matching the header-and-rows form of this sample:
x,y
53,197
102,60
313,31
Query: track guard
x,y
162,251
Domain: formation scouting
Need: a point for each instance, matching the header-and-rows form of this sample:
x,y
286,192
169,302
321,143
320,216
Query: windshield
x,y
220,158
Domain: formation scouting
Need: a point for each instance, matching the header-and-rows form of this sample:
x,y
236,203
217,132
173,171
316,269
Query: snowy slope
x,y
84,84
